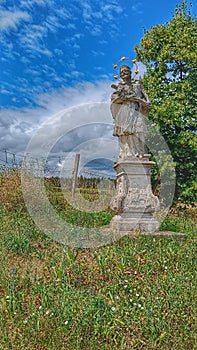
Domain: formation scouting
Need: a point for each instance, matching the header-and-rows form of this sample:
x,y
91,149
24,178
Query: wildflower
x,y
131,300
40,307
117,297
137,295
7,297
66,322
135,272
125,286
47,312
139,305
113,308
25,321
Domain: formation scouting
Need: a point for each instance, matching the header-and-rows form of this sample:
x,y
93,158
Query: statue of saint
x,y
129,105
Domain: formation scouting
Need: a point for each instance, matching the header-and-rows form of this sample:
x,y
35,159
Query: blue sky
x,y
56,54
51,44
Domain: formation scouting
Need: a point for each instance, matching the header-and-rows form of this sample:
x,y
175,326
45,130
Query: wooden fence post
x,y
75,172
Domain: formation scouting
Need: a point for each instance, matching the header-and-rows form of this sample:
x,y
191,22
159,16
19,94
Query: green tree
x,y
169,52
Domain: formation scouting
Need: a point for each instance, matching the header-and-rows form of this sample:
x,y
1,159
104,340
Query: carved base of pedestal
x,y
124,225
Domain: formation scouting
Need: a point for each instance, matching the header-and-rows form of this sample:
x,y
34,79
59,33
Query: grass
x,y
137,293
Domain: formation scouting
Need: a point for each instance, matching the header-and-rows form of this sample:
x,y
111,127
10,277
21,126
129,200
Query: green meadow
x,y
135,293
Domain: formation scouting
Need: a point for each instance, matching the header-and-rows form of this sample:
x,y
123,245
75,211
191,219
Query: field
x,y
137,293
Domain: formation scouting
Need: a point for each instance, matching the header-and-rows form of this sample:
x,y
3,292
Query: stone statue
x,y
129,105
117,201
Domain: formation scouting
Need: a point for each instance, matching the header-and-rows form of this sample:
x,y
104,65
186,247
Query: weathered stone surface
x,y
124,225
134,202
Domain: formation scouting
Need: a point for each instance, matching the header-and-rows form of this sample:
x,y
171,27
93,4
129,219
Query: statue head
x,y
125,73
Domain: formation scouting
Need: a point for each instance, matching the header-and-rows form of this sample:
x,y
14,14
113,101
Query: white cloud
x,y
137,8
17,126
53,24
111,9
97,53
95,12
87,11
97,30
31,38
81,94
10,19
30,3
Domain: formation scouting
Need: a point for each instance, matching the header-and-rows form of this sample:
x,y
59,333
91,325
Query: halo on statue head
x,y
115,65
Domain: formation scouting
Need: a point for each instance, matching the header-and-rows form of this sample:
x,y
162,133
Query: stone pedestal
x,y
134,202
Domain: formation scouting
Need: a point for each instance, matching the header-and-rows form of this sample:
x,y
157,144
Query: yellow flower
x,y
123,58
114,66
115,77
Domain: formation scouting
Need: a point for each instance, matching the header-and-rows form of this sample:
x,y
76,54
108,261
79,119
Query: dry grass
x,y
11,197
137,293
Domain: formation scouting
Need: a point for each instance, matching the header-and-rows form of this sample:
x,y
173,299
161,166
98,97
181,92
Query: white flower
x,y
47,312
25,321
7,297
135,272
137,295
139,305
66,322
126,281
113,308
125,286
117,297
40,307
131,300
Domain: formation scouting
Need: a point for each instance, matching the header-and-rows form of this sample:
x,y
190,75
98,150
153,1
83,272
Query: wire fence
x,y
54,166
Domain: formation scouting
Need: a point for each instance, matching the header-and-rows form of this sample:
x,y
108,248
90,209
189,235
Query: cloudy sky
x,y
57,55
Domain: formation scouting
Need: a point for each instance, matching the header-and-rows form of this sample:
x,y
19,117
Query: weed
x,y
137,293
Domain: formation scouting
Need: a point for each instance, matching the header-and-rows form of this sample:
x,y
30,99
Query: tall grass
x,y
11,197
137,293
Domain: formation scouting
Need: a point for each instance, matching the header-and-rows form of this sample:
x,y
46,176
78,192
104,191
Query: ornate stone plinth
x,y
134,202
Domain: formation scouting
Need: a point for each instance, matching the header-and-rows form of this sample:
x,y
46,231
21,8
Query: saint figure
x,y
129,105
